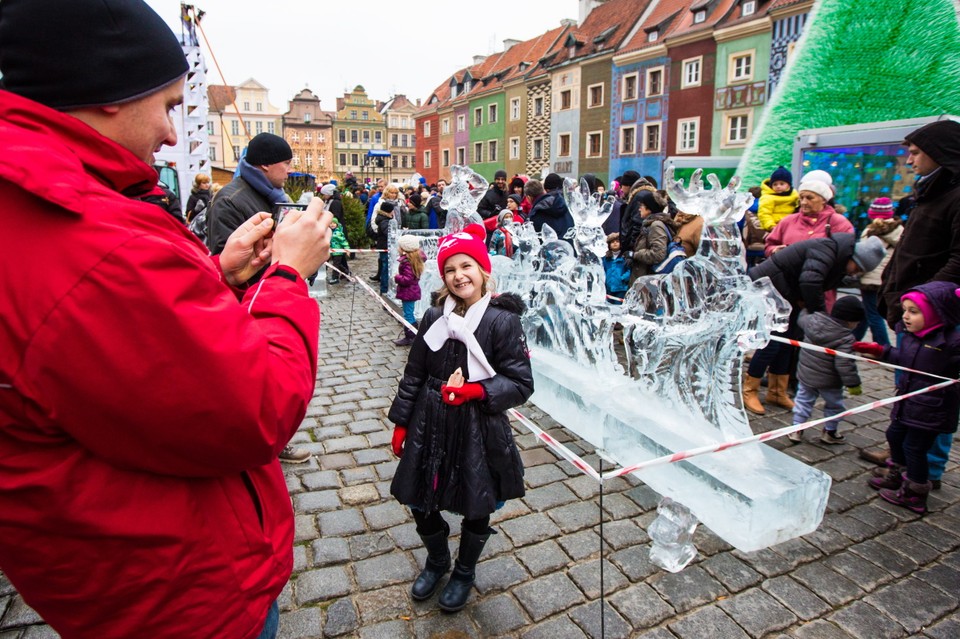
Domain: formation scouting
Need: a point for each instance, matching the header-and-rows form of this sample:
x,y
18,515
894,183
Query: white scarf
x,y
452,326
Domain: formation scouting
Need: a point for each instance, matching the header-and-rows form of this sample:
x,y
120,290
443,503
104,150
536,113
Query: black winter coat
x,y
929,248
550,209
494,201
382,222
335,206
802,272
198,197
463,458
234,205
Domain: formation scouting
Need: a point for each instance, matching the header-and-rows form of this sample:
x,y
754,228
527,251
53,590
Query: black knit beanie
x,y
552,182
267,148
68,54
848,309
500,174
650,200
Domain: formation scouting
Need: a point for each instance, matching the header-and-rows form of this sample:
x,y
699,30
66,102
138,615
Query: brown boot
x,y
751,395
777,391
878,456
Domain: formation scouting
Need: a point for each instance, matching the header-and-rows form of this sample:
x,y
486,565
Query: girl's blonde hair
x,y
200,178
415,257
488,285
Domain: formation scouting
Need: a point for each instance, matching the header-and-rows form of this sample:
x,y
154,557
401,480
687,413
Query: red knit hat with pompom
x,y
470,241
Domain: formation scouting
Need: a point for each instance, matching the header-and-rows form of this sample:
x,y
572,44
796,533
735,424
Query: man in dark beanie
x,y
929,248
257,186
494,200
144,395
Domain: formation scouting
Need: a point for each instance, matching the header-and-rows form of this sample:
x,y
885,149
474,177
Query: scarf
x,y
256,179
452,326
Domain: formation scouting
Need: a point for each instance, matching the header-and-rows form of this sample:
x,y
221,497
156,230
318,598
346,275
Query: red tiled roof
x,y
668,14
781,4
737,17
715,13
604,29
220,96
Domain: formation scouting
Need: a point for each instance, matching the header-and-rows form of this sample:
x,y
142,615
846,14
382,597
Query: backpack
x,y
675,254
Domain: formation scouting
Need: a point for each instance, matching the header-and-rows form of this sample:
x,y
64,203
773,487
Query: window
x,y
353,114
295,137
594,144
628,139
209,127
651,137
749,7
413,140
394,123
404,139
492,151
296,160
461,122
654,82
309,159
446,157
699,16
653,36
354,159
594,95
365,115
741,66
537,106
307,117
514,148
321,139
563,141
478,116
445,126
236,152
537,147
461,156
271,128
566,99
354,136
426,159
258,126
234,127
246,106
691,72
515,108
394,139
213,154
630,87
738,128
403,161
491,113
323,161
394,162
366,136
342,136
426,131
343,159
687,135
307,137
478,152
259,106
378,137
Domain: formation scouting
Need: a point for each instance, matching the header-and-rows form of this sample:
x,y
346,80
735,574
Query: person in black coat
x,y
199,198
495,199
455,443
549,207
801,273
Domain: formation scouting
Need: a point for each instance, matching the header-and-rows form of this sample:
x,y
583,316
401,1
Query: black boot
x,y
455,593
436,566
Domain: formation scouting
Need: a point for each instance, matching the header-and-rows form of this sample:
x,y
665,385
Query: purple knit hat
x,y
881,209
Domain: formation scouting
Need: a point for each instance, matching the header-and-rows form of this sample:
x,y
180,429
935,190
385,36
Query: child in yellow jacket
x,y
778,198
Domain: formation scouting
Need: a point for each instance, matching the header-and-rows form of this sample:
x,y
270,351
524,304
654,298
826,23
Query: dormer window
x,y
699,16
749,7
653,36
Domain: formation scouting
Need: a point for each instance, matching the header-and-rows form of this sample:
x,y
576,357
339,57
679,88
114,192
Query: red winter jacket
x,y
142,407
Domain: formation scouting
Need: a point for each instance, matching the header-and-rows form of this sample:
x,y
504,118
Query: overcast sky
x,y
390,47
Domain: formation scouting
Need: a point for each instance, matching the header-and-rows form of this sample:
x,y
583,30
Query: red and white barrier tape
x,y
585,468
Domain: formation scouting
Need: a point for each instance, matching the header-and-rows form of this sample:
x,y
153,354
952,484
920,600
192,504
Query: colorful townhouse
x,y
358,144
788,18
398,114
308,130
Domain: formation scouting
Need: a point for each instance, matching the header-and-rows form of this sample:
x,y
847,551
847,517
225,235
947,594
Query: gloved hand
x,y
855,390
628,259
871,349
399,436
456,396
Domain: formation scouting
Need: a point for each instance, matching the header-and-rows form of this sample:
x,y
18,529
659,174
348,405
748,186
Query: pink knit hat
x,y
470,241
881,209
931,319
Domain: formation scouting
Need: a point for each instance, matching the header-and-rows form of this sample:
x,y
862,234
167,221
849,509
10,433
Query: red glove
x,y
871,349
399,436
456,396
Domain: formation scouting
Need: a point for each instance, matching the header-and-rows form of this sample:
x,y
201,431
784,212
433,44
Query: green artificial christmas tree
x,y
860,62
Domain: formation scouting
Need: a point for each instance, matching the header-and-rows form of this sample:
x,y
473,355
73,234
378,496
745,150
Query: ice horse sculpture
x,y
672,381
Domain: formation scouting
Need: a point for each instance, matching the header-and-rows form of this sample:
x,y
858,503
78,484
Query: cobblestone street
x,y
870,571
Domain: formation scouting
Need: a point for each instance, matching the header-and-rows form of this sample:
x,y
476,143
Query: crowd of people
x,y
149,381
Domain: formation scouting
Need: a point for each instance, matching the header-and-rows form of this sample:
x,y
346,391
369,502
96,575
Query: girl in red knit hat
x,y
468,364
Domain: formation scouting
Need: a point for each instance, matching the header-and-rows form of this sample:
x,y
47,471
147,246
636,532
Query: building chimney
x,y
586,6
509,42
418,101
478,59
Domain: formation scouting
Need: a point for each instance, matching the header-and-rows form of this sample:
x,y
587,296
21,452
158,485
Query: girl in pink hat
x,y
468,364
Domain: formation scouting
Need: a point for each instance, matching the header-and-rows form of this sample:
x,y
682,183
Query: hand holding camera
x,y
301,239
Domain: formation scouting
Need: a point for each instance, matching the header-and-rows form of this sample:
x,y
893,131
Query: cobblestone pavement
x,y
870,571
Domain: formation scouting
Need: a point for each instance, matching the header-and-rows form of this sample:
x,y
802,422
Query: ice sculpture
x,y
671,380
672,536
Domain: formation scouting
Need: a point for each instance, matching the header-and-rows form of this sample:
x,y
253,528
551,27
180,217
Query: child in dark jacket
x,y
820,374
408,283
616,271
453,438
929,342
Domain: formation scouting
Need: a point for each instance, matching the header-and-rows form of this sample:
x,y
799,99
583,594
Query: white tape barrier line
x,y
374,294
556,446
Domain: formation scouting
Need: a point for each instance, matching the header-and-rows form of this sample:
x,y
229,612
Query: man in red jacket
x,y
145,393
